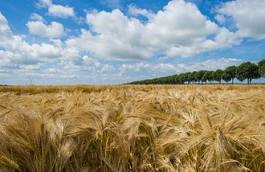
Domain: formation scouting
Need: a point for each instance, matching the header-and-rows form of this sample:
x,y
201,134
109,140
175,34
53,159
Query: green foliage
x,y
247,71
207,76
217,75
182,77
229,74
261,65
199,75
193,76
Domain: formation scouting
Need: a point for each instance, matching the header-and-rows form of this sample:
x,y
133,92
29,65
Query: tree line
x,y
245,71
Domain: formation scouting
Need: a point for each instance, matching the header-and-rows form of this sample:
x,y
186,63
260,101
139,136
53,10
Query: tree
x,y
199,75
188,77
181,78
207,76
247,71
217,75
261,65
193,76
229,74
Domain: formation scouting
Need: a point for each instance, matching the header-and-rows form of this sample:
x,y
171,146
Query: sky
x,y
117,41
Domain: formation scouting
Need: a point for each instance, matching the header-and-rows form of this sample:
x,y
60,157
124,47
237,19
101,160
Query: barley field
x,y
195,128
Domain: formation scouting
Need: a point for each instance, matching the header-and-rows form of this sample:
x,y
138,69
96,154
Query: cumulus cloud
x,y
248,17
36,17
57,10
61,11
4,28
147,70
93,65
135,11
51,60
212,64
55,62
220,19
45,3
54,30
17,50
179,30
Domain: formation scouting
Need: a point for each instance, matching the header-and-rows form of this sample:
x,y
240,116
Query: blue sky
x,y
116,41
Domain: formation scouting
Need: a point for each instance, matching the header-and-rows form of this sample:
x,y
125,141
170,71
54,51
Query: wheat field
x,y
218,128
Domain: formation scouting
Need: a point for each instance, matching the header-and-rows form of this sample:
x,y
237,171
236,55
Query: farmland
x,y
133,128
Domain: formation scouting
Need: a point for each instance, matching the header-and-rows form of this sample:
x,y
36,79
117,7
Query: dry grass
x,y
133,128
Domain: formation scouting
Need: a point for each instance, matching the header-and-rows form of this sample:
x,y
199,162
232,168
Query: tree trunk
x,y
232,80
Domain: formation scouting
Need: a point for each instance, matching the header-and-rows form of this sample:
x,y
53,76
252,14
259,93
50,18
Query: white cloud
x,y
225,38
4,28
57,10
115,41
29,63
45,3
44,50
179,30
44,60
147,70
36,17
14,49
61,11
54,30
248,16
212,64
93,65
220,19
113,35
135,11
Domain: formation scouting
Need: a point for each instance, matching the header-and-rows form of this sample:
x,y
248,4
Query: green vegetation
x,y
245,71
261,65
230,74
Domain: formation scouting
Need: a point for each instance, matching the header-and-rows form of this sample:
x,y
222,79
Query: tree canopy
x,y
261,65
248,71
218,75
245,71
229,74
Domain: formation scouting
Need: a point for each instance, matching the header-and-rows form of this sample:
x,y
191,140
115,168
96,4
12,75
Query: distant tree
x,y
188,77
171,80
175,79
229,74
207,76
247,71
193,76
181,78
211,74
261,65
226,77
217,75
199,75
